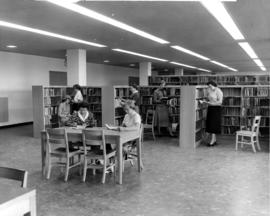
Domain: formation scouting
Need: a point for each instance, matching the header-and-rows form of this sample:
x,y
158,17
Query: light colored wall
x,y
18,73
105,75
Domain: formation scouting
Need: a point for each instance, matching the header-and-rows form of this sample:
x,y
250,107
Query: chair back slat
x,y
256,124
57,137
14,174
94,138
150,117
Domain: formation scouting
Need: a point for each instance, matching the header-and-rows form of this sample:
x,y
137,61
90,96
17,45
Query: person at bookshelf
x,y
213,118
135,96
83,117
162,110
77,97
64,110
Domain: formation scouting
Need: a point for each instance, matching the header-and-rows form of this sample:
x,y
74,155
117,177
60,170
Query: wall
x,y
104,75
18,73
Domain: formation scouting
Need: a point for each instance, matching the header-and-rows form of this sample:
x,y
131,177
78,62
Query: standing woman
x,y
77,97
162,110
135,97
213,119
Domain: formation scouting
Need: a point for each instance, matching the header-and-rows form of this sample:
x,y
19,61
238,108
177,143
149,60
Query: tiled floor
x,y
215,181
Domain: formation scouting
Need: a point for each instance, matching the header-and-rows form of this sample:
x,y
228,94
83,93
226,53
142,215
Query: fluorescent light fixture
x,y
50,34
190,52
11,46
202,69
184,65
223,65
248,49
97,16
258,62
217,9
263,68
106,61
220,64
139,54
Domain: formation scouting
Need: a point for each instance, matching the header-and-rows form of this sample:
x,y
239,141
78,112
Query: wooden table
x,y
16,201
111,136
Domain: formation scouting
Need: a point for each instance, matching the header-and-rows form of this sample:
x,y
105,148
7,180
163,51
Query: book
x,y
111,127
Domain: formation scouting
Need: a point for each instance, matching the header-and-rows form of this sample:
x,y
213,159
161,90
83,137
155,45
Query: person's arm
x,y
132,128
60,111
72,122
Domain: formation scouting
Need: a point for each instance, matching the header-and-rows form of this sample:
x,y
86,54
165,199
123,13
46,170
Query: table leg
x,y
120,160
139,154
43,152
33,206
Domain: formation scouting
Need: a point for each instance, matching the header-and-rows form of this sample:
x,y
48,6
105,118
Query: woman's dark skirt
x,y
213,119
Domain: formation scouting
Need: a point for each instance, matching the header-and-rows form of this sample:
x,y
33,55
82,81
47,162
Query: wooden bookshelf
x,y
203,79
147,102
46,100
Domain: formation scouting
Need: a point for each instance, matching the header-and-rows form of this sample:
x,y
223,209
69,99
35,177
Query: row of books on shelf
x,y
201,93
174,110
122,92
231,92
199,135
256,102
229,101
202,80
94,91
230,129
259,91
231,111
95,107
51,110
257,111
200,124
49,92
50,119
94,99
230,121
201,114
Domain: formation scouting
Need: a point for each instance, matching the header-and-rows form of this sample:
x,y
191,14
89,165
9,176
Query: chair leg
x,y
253,146
258,143
153,132
104,172
84,169
67,169
236,142
49,167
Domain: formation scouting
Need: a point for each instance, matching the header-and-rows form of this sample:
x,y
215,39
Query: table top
x,y
9,192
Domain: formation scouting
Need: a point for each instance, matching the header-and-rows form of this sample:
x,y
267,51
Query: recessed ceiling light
x,y
50,34
106,61
139,54
190,52
217,9
11,46
97,16
181,64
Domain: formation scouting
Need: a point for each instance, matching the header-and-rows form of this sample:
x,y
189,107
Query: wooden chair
x,y
14,174
58,147
94,149
249,137
132,152
148,127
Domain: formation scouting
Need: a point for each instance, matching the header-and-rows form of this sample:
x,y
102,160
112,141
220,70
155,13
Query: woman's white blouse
x,y
215,96
78,97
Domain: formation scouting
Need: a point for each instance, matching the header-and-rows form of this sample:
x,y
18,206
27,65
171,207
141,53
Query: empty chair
x,y
148,126
249,137
14,174
95,153
57,147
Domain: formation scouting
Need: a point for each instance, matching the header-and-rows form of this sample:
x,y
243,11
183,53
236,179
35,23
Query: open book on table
x,y
111,127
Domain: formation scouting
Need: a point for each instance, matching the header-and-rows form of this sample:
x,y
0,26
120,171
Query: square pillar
x,y
145,71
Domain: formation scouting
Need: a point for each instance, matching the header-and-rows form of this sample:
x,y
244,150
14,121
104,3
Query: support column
x,y
76,67
145,71
179,71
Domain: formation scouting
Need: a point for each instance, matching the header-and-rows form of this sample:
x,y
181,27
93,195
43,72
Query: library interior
x,y
140,108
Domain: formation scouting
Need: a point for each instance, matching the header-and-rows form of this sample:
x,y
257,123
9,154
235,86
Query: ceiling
x,y
187,24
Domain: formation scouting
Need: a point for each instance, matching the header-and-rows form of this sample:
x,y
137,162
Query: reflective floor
x,y
216,181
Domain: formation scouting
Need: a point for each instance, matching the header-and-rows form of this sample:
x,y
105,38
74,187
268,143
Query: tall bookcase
x,y
147,102
219,79
46,100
